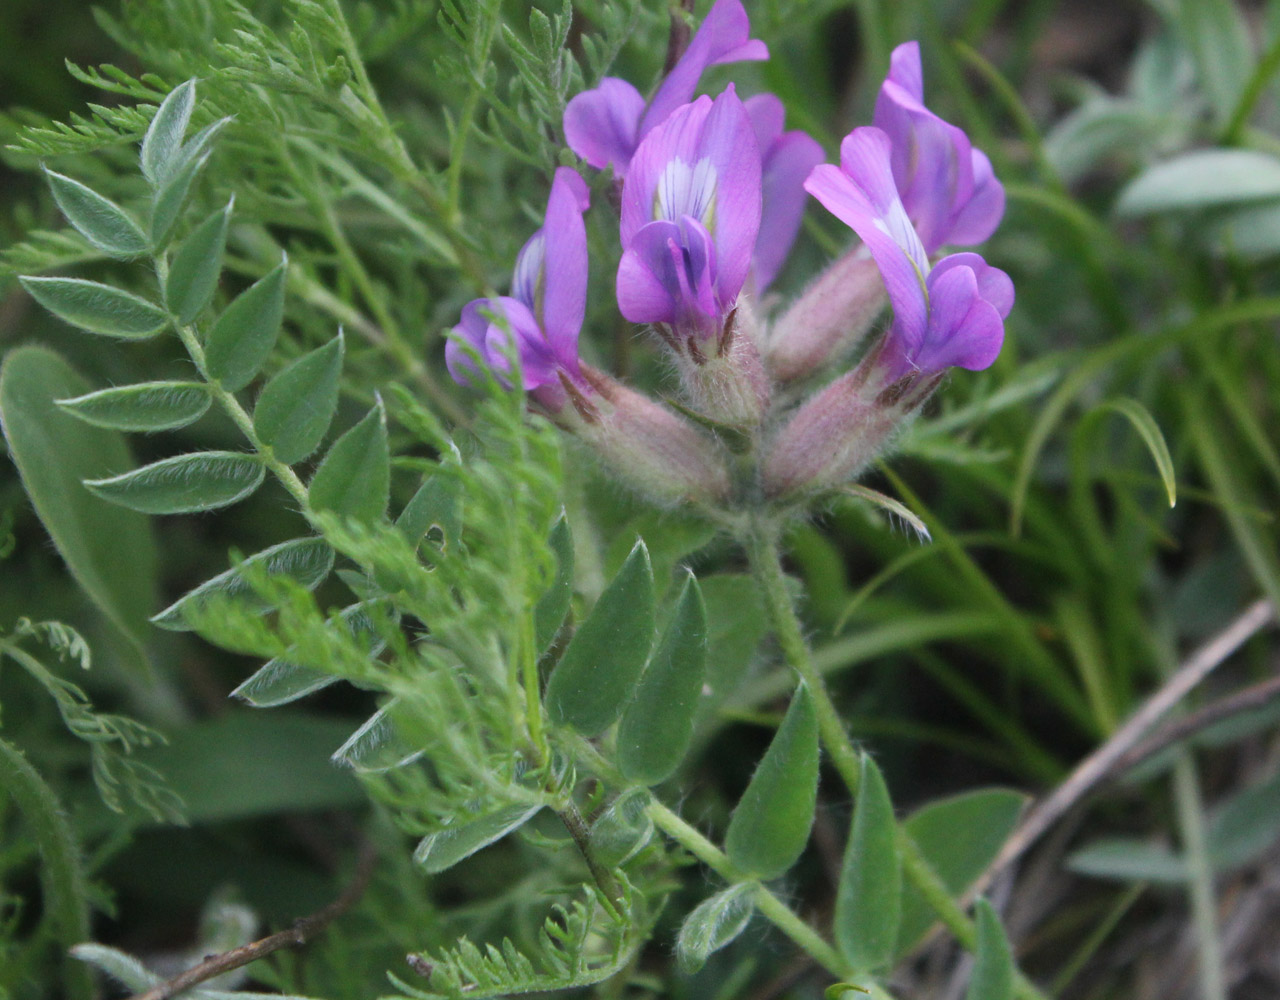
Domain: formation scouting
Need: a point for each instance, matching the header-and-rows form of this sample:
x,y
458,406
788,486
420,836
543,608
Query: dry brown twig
x,y
302,931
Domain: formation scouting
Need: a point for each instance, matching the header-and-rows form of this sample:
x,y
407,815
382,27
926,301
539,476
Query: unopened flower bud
x,y
838,432
828,319
652,449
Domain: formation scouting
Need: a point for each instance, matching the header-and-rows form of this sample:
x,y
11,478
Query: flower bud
x,y
837,433
652,449
828,319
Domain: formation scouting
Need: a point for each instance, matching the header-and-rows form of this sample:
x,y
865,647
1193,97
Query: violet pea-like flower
x,y
948,188
690,216
949,315
544,312
605,125
786,158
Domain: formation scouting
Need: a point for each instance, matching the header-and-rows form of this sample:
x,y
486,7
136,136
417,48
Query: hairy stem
x,y
61,874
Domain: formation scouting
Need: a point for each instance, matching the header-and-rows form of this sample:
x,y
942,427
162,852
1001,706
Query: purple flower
x,y
606,125
948,188
952,314
786,159
546,307
690,216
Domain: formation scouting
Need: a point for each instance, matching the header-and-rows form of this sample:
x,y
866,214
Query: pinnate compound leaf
x,y
1204,178
992,977
714,923
193,275
604,659
869,898
109,550
99,220
770,825
436,505
98,308
148,406
354,479
553,605
306,560
241,339
203,480
443,849
657,725
162,143
959,836
297,405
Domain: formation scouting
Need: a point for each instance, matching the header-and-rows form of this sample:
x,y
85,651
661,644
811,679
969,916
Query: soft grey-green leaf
x,y
98,219
599,669
714,923
147,406
354,479
297,405
623,830
657,724
193,275
242,337
109,550
307,560
770,825
436,505
171,197
869,897
377,745
992,977
1127,860
163,138
97,308
445,848
1203,178
204,480
553,605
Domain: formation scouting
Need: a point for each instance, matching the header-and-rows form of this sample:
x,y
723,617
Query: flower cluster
x,y
712,192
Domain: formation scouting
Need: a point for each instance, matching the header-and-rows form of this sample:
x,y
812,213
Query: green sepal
x,y
714,923
992,977
297,405
99,220
657,724
147,406
604,659
553,605
193,275
306,560
354,479
98,308
869,897
770,826
242,337
203,480
443,849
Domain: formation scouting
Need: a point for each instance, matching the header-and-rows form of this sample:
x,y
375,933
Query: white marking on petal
x,y
687,190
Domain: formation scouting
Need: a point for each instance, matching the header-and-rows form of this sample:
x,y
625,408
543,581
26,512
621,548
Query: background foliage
x,y
398,154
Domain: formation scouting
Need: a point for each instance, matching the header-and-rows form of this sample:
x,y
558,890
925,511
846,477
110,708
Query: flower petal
x,y
470,330
647,285
564,282
729,142
602,125
767,117
537,362
787,163
965,330
976,220
723,37
676,139
994,285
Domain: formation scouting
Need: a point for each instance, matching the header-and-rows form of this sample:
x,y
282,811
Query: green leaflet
x,y
437,504
992,977
203,480
1201,179
109,550
171,198
193,274
658,723
99,220
307,560
163,140
770,826
959,836
553,605
599,669
624,829
354,479
147,406
869,899
714,923
242,337
445,848
98,308
297,405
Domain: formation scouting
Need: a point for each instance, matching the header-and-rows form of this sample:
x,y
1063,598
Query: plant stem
x,y
1204,916
61,875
